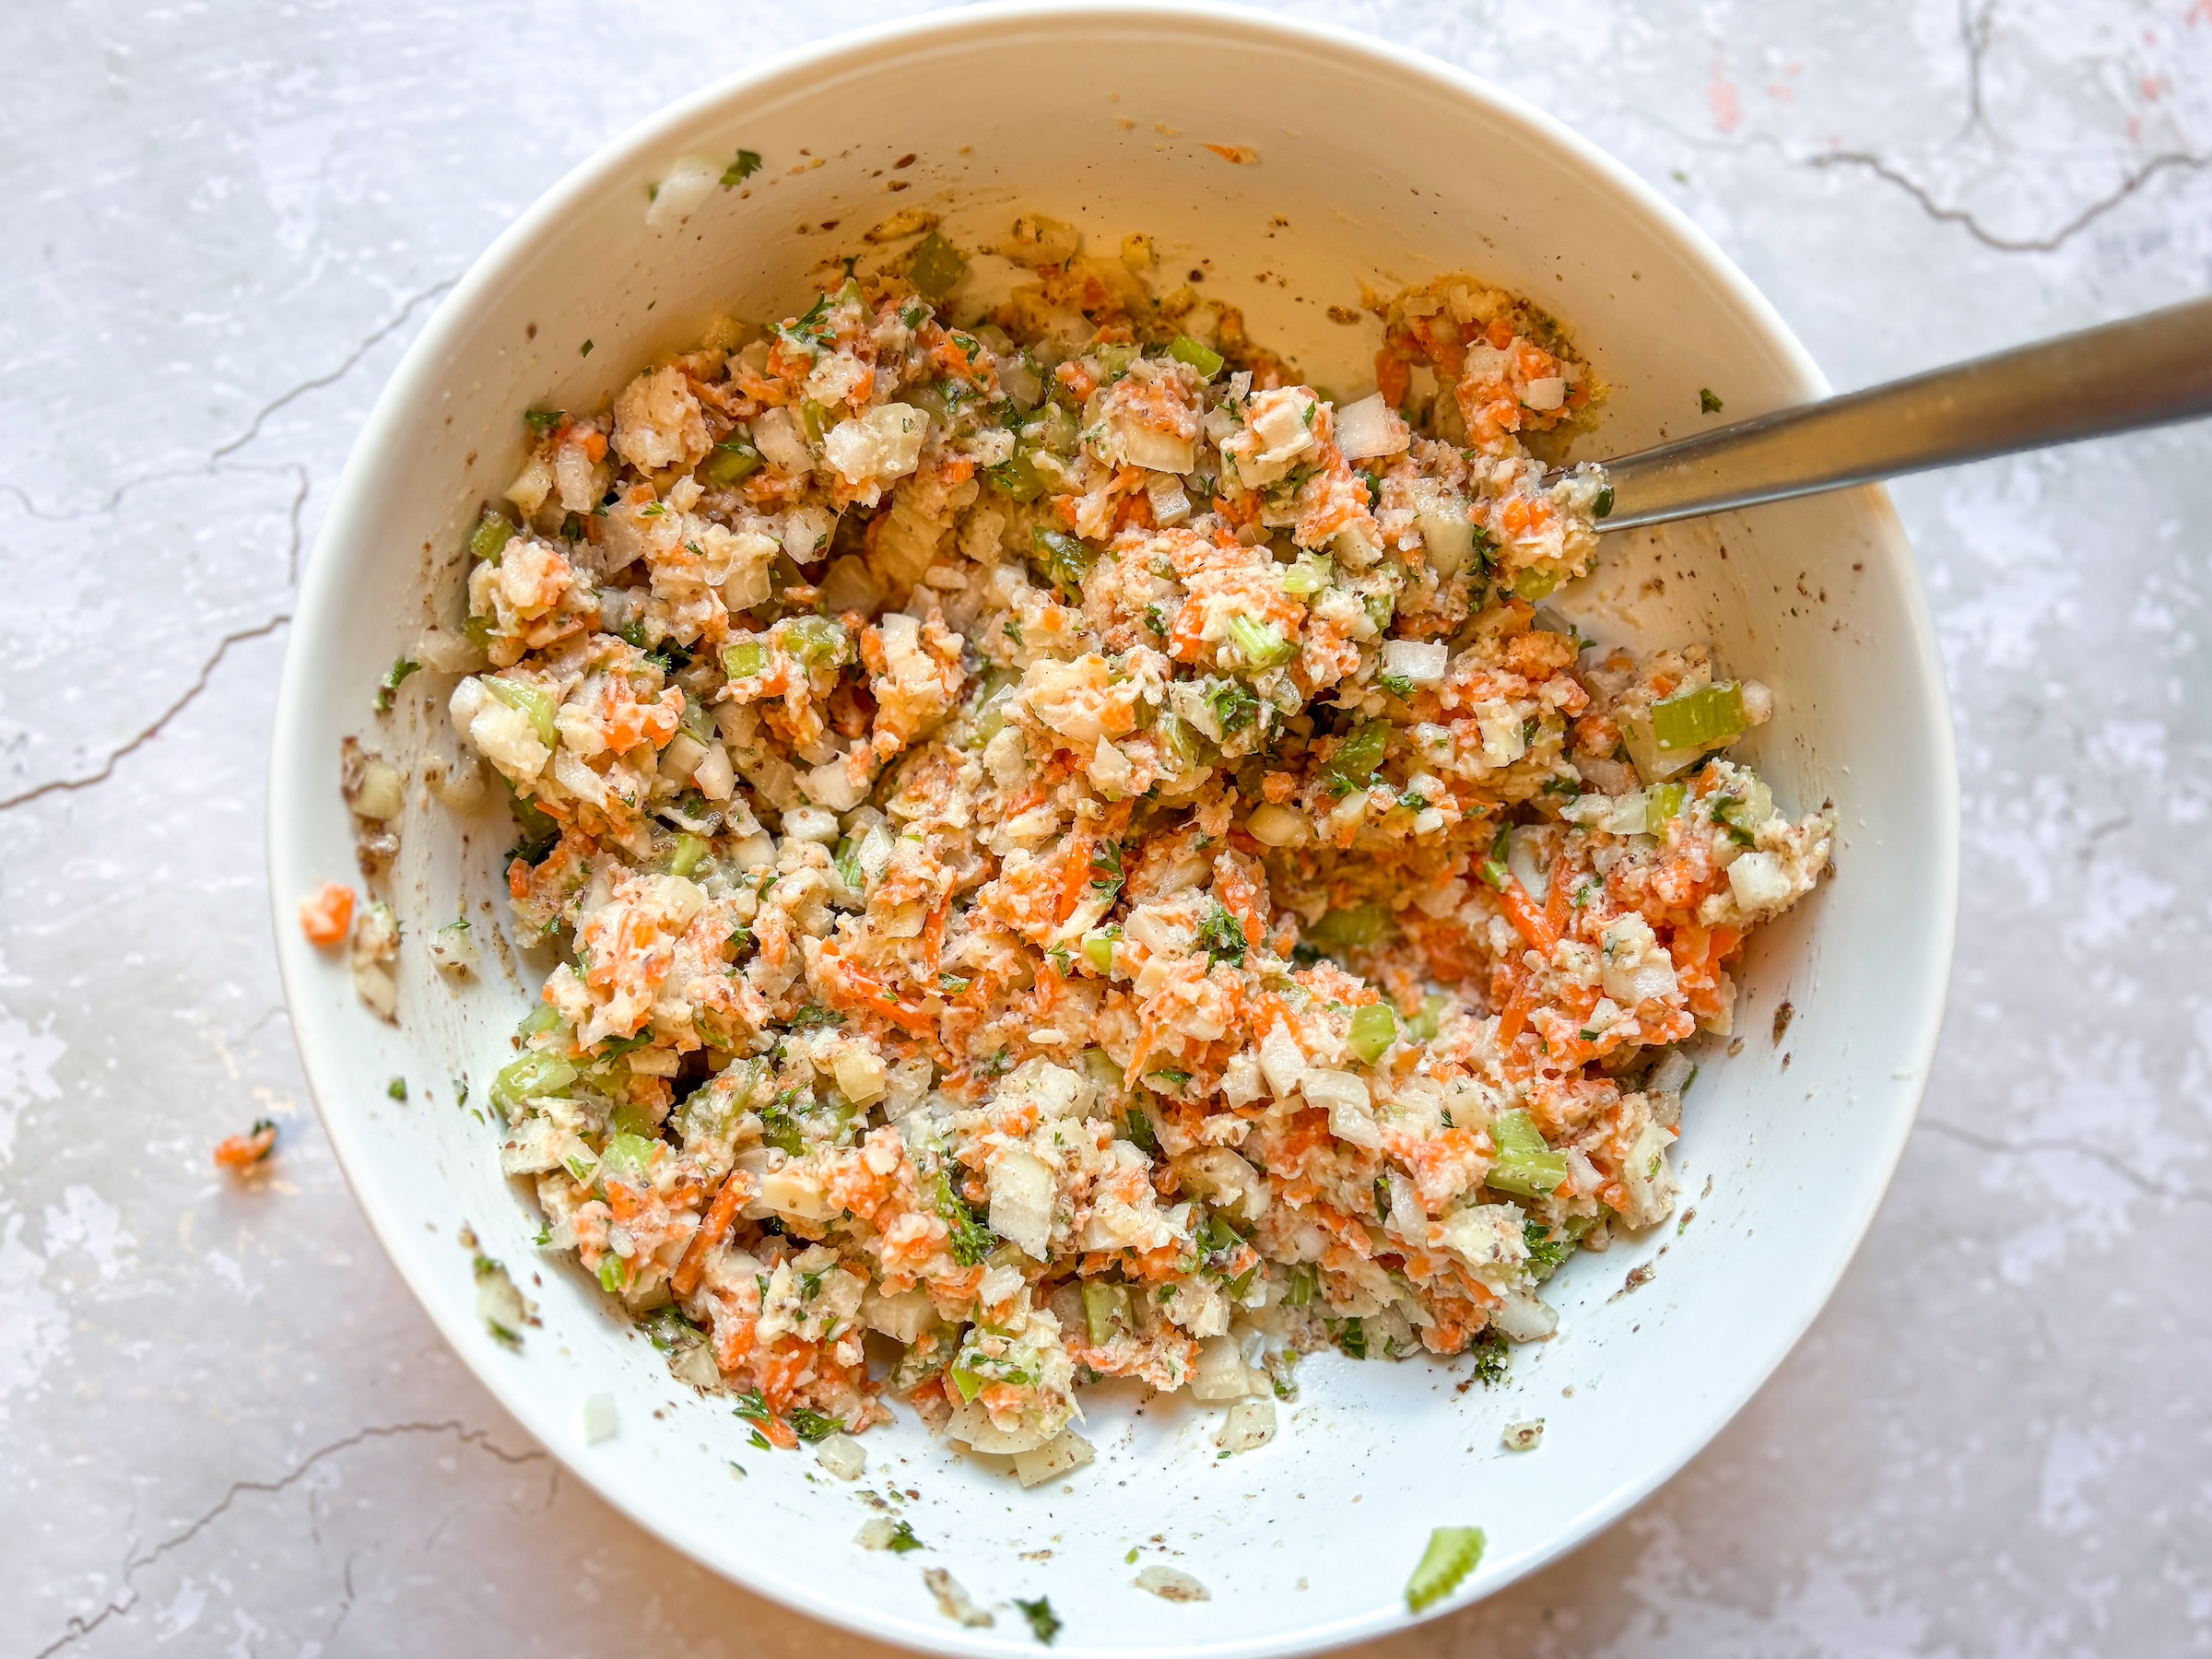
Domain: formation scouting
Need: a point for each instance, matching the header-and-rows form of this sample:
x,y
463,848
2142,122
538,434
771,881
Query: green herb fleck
x,y
1042,1621
1707,402
747,164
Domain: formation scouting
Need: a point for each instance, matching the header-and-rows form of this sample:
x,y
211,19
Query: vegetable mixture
x,y
1077,855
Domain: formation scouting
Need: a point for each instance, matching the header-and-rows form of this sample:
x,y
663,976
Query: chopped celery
x,y
1017,479
633,1120
1374,1028
1700,717
965,1380
1181,741
529,699
1060,556
1536,582
936,267
1525,1164
690,852
1362,927
1424,1026
1493,869
744,660
846,862
1358,754
1310,575
818,641
628,1158
491,533
530,1075
1452,1553
1114,360
543,1017
1052,430
1197,354
734,459
1106,1310
1305,1281
610,1273
1261,643
1098,947
1662,801
815,421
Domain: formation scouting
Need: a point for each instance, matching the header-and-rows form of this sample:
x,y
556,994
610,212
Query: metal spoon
x,y
2145,372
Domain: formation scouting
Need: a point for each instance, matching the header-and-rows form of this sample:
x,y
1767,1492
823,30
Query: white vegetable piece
x,y
690,181
454,948
1065,1451
598,1418
1758,881
1021,1201
1221,1374
1370,427
1170,1583
1343,1096
842,1456
1421,661
1523,1437
1250,1424
1272,825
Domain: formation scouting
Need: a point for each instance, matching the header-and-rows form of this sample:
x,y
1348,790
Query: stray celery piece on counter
x,y
936,267
1662,801
1374,1028
1197,354
1452,1553
1525,1165
745,659
1261,644
1098,947
1696,717
1106,1310
528,1076
530,700
690,853
732,460
493,532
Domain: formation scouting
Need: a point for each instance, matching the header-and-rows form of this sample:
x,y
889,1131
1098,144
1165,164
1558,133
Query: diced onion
x,y
1421,661
1065,1451
687,182
1171,1583
1250,1425
1370,427
842,1456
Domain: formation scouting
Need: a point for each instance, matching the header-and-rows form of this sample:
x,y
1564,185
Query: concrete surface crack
x,y
122,1603
1981,232
2079,1148
382,332
199,684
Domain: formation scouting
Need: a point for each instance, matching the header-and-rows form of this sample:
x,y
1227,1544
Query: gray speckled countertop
x,y
224,1426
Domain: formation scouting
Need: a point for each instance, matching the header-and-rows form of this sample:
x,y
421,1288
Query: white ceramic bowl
x,y
1371,164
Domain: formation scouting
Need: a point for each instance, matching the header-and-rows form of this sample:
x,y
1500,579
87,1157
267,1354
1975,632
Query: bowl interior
x,y
1372,169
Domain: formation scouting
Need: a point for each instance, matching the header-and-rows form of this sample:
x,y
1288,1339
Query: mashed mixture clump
x,y
1076,853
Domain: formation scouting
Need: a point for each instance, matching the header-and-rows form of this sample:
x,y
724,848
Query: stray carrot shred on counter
x,y
1076,855
240,1153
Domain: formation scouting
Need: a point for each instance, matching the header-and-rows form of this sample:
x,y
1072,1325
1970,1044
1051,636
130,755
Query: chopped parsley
x,y
747,164
1044,1623
397,1088
1707,403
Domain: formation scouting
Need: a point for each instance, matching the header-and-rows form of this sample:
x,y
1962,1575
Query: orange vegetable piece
x,y
326,913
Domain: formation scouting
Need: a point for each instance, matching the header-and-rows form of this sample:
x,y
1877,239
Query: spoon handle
x,y
2144,371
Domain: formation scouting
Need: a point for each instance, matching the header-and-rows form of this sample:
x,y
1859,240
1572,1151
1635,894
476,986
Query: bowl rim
x,y
351,516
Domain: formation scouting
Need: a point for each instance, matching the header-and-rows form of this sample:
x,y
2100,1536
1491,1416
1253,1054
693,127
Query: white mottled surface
x,y
225,1428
